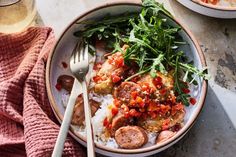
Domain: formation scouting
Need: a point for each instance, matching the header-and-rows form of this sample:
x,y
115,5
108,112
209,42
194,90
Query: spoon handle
x,y
59,146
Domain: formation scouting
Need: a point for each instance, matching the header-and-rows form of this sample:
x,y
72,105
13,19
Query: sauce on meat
x,y
141,105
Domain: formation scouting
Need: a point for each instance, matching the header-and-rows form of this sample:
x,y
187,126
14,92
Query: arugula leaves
x,y
153,44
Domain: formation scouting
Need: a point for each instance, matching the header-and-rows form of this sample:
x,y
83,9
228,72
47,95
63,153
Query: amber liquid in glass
x,y
16,16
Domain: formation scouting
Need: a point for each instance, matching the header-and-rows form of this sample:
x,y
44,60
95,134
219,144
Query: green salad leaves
x,y
153,44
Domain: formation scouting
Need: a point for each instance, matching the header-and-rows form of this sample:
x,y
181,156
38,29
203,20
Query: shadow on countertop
x,y
213,134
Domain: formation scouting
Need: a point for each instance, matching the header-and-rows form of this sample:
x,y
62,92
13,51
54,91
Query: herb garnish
x,y
153,44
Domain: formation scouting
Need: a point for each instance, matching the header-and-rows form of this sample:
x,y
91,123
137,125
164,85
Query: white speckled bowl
x,y
62,52
225,12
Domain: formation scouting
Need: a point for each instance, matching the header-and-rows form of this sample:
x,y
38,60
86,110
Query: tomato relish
x,y
116,59
144,103
214,2
64,65
152,98
58,86
107,123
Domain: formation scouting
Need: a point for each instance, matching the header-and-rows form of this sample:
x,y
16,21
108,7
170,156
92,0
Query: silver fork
x,y
79,65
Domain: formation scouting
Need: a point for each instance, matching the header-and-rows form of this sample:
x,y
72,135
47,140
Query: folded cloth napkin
x,y
27,124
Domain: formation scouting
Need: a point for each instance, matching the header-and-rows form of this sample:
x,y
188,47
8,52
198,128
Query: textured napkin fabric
x,y
27,124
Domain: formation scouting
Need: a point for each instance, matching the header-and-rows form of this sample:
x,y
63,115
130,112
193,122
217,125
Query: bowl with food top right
x,y
225,9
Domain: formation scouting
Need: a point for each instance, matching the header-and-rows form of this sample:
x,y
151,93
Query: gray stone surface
x,y
213,134
217,38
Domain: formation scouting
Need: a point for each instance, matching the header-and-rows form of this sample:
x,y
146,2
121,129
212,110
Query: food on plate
x,y
211,1
119,120
140,89
164,135
131,137
78,114
65,82
231,3
109,73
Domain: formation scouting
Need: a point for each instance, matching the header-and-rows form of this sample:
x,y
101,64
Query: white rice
x,y
101,114
104,111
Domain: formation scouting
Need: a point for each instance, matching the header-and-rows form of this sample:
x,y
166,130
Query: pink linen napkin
x,y
27,124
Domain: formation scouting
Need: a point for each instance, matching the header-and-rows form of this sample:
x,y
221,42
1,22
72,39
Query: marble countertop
x,y
213,134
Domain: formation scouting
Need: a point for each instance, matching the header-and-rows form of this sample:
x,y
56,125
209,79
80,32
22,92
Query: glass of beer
x,y
16,15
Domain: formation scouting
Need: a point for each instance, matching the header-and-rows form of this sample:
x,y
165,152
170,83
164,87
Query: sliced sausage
x,y
164,135
118,121
66,82
131,137
78,114
123,92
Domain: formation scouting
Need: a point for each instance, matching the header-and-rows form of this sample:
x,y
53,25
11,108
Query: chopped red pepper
x,y
157,81
97,66
105,122
114,111
140,101
165,124
134,113
64,64
151,90
116,59
145,86
214,2
134,94
192,101
96,79
126,115
153,115
177,107
110,60
58,86
163,91
132,102
177,127
109,126
115,78
119,62
186,90
165,108
117,102
153,106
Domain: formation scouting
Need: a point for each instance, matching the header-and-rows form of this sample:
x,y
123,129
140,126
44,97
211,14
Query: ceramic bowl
x,y
62,52
225,12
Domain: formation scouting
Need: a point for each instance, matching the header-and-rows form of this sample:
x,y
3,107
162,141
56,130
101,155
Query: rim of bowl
x,y
215,7
127,151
